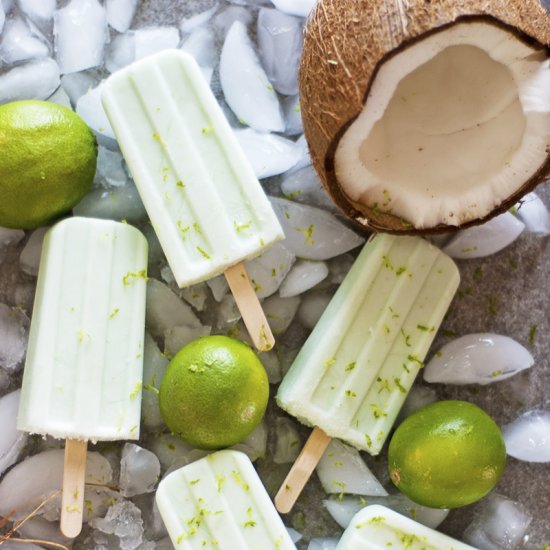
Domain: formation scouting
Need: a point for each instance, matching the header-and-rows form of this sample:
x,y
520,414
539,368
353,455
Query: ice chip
x,y
313,234
123,520
14,326
19,43
280,44
120,13
245,85
304,275
528,437
118,203
151,40
90,109
37,10
80,30
11,440
120,52
139,470
33,80
30,255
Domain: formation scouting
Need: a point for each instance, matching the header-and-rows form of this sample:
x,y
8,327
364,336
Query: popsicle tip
x,y
285,499
71,526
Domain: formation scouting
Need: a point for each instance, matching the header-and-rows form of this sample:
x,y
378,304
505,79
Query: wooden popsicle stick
x,y
72,500
250,307
301,470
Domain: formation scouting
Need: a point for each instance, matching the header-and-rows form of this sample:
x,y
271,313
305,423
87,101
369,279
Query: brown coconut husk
x,y
347,41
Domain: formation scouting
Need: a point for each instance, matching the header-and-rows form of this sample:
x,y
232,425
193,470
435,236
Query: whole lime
x,y
214,392
447,454
47,164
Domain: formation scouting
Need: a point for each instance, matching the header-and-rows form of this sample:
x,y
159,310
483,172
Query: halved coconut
x,y
424,116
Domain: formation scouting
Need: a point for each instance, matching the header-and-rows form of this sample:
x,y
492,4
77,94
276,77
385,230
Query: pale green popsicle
x,y
205,203
219,503
83,372
354,372
379,528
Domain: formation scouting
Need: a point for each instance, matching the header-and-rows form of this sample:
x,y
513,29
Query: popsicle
x,y
219,502
379,528
206,205
83,372
354,372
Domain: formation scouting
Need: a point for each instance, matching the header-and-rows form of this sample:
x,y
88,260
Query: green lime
x,y
47,164
447,454
214,392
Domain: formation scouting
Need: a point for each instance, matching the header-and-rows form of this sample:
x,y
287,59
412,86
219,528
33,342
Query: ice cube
x,y
312,307
19,43
90,109
304,186
29,260
177,337
8,239
313,234
418,397
31,481
484,240
165,310
110,171
501,524
195,295
118,203
218,286
77,84
169,449
38,10
34,80
139,470
295,7
534,214
268,154
481,358
120,13
225,19
61,98
190,24
342,470
11,440
255,444
80,31
342,509
154,39
245,85
287,441
280,45
528,437
201,45
120,52
268,270
154,366
41,529
124,521
305,274
14,326
323,543
305,158
280,312
2,17
293,116
227,313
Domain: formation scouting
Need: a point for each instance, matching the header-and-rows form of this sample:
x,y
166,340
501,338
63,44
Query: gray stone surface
x,y
511,295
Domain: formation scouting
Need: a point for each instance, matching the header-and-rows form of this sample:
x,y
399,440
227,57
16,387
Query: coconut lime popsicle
x,y
83,372
205,203
219,502
353,374
379,528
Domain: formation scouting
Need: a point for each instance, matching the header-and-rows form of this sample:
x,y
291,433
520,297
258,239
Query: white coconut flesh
x,y
452,127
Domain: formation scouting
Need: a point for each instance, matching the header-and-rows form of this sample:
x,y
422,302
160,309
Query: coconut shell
x,y
346,41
